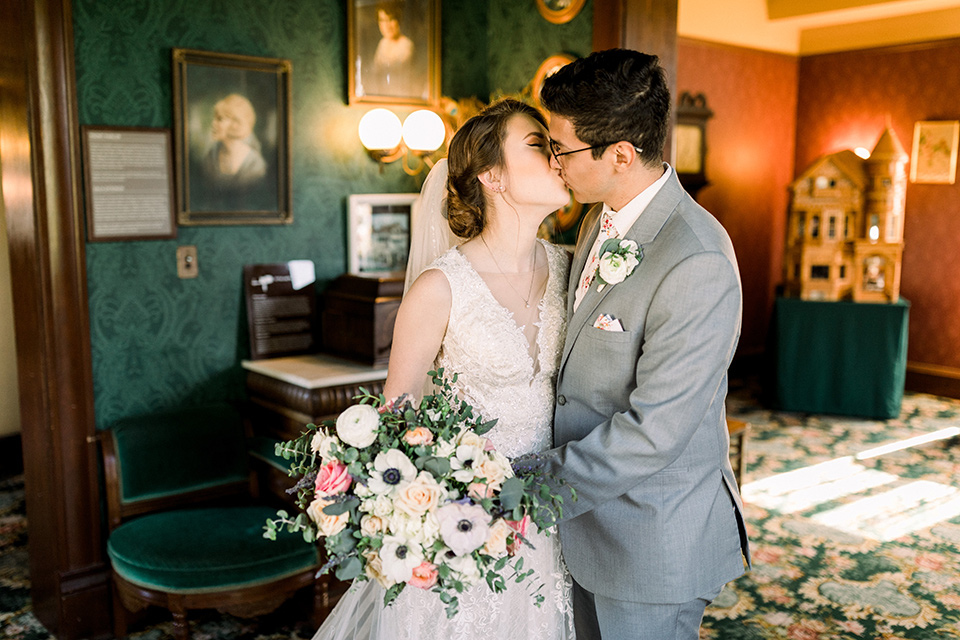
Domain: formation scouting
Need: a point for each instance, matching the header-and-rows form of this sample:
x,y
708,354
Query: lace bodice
x,y
490,354
498,377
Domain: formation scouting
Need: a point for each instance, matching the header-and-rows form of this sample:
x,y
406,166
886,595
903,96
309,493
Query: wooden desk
x,y
289,393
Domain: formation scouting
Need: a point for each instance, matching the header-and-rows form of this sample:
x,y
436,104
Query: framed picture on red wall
x,y
934,156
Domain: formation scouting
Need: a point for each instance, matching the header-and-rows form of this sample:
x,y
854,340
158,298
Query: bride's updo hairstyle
x,y
476,147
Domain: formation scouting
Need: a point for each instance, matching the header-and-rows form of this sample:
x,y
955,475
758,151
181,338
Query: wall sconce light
x,y
387,140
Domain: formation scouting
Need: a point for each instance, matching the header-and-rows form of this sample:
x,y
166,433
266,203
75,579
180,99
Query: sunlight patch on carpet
x,y
804,488
897,512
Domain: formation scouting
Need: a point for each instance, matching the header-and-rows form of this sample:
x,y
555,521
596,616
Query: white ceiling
x,y
806,27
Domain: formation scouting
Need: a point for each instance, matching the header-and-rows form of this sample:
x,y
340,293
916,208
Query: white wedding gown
x,y
503,375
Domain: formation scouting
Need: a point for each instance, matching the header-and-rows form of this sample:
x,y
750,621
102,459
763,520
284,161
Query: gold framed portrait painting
x,y
231,138
393,51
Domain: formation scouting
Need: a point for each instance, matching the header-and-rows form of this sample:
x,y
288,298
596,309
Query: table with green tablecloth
x,y
842,358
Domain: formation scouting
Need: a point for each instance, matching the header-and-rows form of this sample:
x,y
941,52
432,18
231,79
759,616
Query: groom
x,y
657,528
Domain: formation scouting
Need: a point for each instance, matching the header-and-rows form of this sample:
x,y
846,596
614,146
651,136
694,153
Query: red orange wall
x,y
753,95
843,102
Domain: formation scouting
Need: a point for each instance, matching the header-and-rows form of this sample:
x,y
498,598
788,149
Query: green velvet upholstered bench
x,y
184,532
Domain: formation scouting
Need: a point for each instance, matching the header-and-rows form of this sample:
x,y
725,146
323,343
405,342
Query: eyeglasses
x,y
555,149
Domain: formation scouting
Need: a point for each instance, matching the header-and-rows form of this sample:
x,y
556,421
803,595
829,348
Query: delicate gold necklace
x,y
533,274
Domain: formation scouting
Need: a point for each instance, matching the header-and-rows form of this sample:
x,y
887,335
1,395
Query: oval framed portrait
x,y
560,11
547,68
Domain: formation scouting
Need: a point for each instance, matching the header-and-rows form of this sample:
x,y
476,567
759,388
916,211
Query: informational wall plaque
x,y
281,308
128,174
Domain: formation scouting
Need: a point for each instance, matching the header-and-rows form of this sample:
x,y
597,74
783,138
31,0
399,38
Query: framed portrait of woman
x,y
393,51
231,138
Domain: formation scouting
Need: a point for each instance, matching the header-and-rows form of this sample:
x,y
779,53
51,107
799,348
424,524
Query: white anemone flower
x,y
399,557
391,470
463,527
462,463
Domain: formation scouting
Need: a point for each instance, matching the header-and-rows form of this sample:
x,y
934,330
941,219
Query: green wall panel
x,y
160,342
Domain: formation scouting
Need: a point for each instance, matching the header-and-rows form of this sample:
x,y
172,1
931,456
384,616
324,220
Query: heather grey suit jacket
x,y
640,424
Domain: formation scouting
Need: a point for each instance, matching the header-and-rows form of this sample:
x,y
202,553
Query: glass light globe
x,y
423,130
380,129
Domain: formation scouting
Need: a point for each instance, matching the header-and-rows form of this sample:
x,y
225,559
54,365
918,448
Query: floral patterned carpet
x,y
850,538
855,526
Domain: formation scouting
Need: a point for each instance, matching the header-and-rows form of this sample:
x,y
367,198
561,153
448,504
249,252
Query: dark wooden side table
x,y
286,394
289,393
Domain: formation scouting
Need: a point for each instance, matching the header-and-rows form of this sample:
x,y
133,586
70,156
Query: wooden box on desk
x,y
359,312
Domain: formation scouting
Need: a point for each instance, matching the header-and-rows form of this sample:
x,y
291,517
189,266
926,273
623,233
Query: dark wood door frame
x,y
39,159
645,25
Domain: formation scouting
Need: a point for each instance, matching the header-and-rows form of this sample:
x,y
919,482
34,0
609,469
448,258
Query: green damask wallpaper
x,y
520,39
160,342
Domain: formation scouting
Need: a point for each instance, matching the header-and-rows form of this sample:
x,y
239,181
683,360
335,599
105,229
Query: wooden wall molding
x,y
39,159
935,379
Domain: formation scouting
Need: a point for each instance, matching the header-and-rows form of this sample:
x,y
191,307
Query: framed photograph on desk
x,y
378,232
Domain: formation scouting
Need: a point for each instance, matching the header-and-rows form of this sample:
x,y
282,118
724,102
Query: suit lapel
x,y
643,232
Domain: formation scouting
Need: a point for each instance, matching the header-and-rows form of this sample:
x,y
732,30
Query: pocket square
x,y
606,322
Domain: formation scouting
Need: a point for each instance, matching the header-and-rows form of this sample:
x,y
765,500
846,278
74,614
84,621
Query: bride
x,y
492,310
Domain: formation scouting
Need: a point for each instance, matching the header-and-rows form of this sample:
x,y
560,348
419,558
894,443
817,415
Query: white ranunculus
x,y
382,506
357,426
472,439
430,530
399,558
613,268
630,246
463,527
321,444
391,471
445,449
465,568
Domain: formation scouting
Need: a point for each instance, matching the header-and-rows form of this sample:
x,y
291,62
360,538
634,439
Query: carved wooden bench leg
x,y
119,614
181,626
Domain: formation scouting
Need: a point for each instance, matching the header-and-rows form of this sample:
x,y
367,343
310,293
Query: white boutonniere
x,y
618,259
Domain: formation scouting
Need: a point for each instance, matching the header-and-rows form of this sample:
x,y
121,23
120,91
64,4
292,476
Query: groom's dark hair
x,y
613,95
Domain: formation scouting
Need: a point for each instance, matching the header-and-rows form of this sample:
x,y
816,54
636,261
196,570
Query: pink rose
x,y
424,575
333,479
479,490
520,526
418,436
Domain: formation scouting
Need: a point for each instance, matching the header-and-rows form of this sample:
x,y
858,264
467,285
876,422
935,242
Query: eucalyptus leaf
x,y
437,466
349,569
337,508
511,493
486,426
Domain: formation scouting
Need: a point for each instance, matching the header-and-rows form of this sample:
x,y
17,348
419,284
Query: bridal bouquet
x,y
414,496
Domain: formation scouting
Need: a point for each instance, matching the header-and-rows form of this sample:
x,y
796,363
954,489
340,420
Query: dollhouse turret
x,y
845,226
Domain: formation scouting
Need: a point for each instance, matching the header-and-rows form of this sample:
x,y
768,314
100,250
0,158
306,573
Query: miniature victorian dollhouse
x,y
845,226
